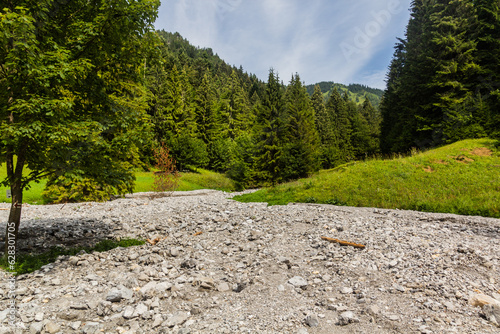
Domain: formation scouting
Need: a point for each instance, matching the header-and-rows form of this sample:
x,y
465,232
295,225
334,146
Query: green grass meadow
x,y
461,178
200,179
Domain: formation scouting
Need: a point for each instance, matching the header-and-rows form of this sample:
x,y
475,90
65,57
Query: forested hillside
x,y
87,102
213,115
356,92
443,82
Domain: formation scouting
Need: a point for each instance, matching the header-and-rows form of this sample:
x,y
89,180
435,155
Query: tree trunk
x,y
12,230
15,175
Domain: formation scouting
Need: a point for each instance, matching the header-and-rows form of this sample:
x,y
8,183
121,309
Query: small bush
x,y
310,200
335,201
65,189
167,178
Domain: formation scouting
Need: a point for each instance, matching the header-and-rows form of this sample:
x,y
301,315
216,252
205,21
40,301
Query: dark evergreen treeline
x,y
214,115
443,82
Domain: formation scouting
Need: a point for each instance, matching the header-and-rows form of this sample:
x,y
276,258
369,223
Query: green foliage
x,y
66,189
28,263
443,80
301,151
357,93
461,178
270,130
189,151
72,102
240,167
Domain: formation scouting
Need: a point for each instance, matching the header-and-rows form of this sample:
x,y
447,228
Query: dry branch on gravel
x,y
343,243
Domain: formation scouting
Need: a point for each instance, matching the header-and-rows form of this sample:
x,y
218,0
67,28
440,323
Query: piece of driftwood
x,y
197,233
343,243
155,240
3,209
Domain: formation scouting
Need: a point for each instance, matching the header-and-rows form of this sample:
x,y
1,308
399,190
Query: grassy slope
x,y
144,181
457,178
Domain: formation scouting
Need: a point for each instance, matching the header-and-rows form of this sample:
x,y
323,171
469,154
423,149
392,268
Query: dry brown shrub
x,y
167,178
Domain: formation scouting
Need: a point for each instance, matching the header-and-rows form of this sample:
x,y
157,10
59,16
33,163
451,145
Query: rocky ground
x,y
228,267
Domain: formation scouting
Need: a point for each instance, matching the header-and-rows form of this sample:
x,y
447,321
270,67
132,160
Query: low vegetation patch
x,y
199,179
461,178
27,263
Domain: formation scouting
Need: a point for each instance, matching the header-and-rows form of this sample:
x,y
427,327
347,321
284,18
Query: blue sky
x,y
322,40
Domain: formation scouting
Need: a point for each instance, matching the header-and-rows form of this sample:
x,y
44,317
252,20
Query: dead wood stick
x,y
197,233
155,240
343,243
3,209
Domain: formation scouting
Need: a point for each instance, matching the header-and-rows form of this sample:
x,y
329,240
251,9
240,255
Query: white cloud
x,y
294,35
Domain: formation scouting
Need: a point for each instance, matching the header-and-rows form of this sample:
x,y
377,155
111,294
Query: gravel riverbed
x,y
220,266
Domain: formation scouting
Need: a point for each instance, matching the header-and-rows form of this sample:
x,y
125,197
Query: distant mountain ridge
x,y
357,92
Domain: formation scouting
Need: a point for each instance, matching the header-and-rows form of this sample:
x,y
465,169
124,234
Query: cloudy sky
x,y
322,40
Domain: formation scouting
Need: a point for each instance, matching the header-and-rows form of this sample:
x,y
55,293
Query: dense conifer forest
x,y
443,82
85,99
216,116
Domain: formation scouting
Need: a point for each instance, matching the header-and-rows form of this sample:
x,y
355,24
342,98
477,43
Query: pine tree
x,y
431,97
373,119
487,32
395,116
301,150
178,117
234,107
341,150
270,131
324,125
204,107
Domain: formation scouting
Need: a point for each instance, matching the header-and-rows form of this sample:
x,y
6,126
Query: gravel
x,y
220,266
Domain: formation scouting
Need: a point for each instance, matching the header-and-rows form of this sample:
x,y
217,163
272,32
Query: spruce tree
x,y
324,125
487,32
270,131
301,150
341,150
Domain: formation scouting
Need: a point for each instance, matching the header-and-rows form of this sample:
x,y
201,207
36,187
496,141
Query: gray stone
x,y
91,327
140,309
174,252
373,310
176,320
393,263
346,318
393,317
204,283
39,316
148,288
346,290
163,286
223,287
158,319
298,282
114,295
79,306
4,314
75,325
36,327
312,320
492,313
128,313
52,327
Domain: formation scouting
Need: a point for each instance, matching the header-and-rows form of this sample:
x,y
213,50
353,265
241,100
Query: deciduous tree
x,y
71,101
